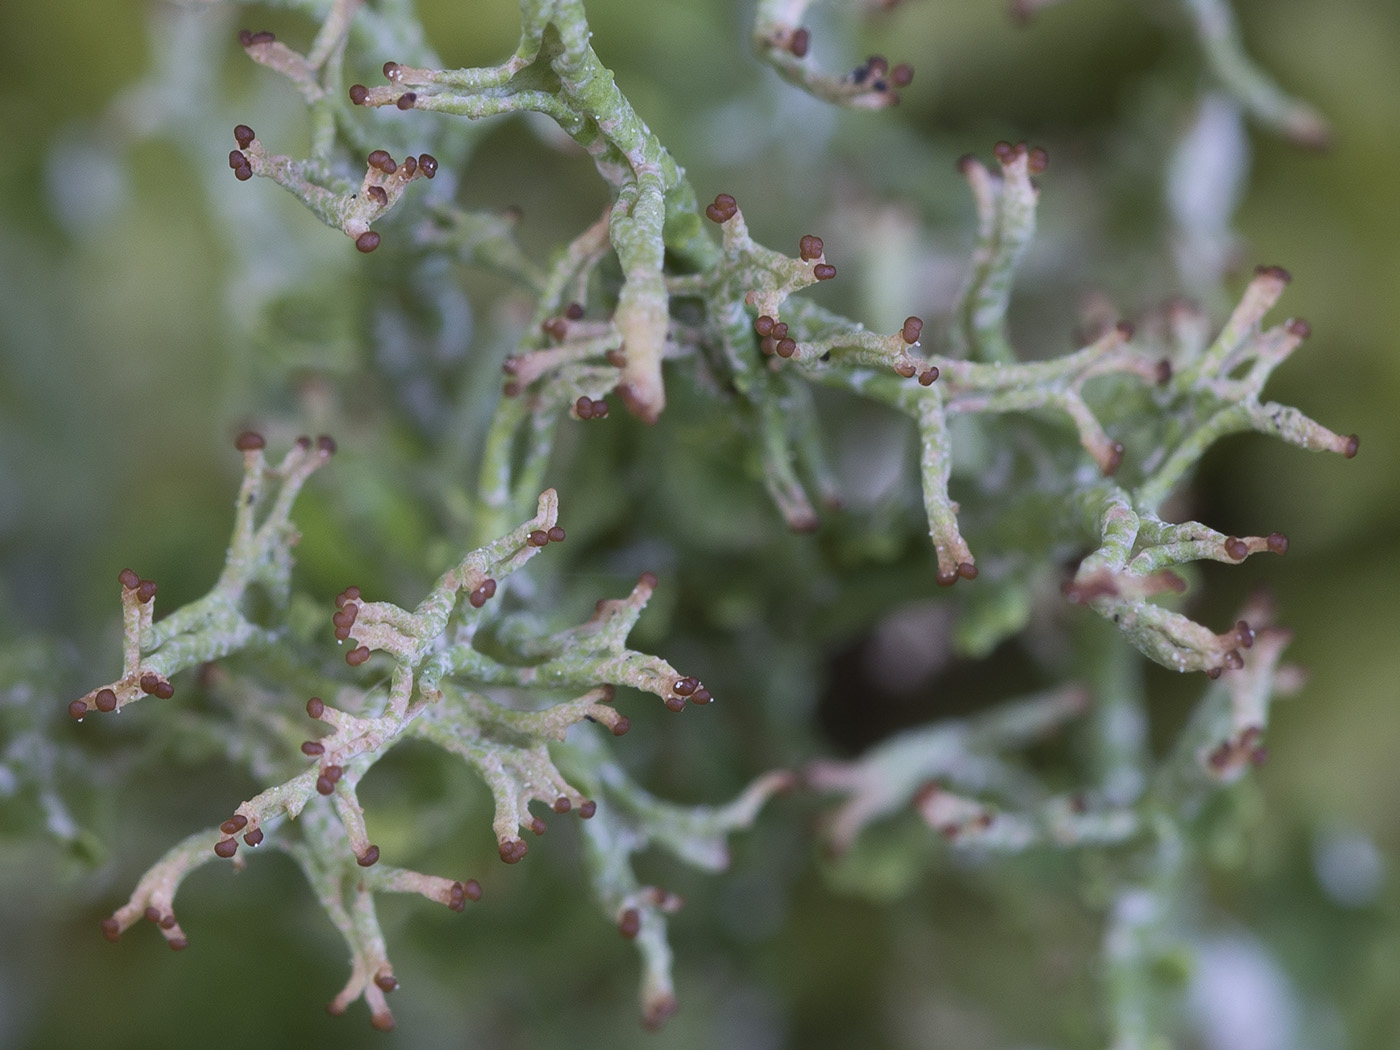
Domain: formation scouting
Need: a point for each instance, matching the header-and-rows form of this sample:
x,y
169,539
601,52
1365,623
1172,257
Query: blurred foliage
x,y
122,388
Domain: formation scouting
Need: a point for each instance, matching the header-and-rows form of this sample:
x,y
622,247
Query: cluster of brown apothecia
x,y
137,595
384,178
875,73
359,94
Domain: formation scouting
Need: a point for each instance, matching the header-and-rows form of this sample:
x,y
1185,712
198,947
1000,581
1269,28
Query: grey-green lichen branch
x,y
556,72
331,197
781,40
259,556
936,767
1197,393
470,699
961,779
517,702
629,821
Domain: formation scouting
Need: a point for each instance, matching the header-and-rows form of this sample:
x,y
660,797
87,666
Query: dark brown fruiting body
x,y
367,241
249,441
369,857
357,656
358,94
1236,548
1037,160
1244,633
800,42
1353,443
427,164
106,700
378,195
77,709
460,893
811,247
723,209
902,75
244,136
128,579
1278,543
234,824
254,837
406,100
913,328
763,325
226,848
823,271
315,707
386,982
630,924
512,850
587,810
1278,273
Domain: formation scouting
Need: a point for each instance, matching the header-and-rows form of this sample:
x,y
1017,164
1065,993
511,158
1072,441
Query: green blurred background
x,y
121,388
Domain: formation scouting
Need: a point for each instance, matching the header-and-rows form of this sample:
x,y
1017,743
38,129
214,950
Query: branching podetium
x,y
1061,469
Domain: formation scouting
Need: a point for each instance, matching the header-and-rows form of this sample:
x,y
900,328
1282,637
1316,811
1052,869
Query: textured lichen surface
x,y
769,468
